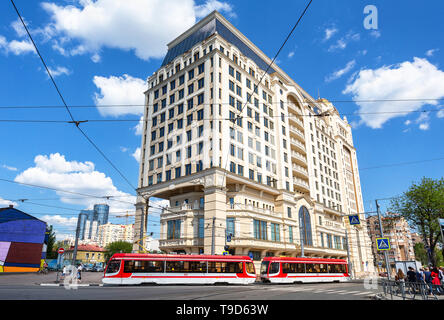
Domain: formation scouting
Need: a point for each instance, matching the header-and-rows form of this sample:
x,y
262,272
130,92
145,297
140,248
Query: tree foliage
x,y
51,250
421,205
117,247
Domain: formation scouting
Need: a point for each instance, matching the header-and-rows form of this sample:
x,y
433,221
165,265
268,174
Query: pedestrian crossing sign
x,y
354,219
383,243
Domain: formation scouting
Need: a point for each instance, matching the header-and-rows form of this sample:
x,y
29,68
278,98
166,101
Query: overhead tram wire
x,y
77,123
223,103
218,119
70,192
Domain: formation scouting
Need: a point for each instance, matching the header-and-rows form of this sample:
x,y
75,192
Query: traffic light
x,y
226,247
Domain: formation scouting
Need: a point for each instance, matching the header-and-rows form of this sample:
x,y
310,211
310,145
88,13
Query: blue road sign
x,y
383,243
229,238
250,254
354,219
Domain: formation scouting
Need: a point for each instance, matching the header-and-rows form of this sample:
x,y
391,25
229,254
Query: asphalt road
x,y
28,287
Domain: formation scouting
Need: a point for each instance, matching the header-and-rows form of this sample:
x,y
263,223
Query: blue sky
x,y
100,54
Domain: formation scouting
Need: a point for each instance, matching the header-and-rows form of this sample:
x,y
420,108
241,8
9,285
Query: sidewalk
x,y
11,279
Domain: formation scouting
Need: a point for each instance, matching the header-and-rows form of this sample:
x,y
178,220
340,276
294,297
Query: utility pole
x,y
350,267
74,254
387,264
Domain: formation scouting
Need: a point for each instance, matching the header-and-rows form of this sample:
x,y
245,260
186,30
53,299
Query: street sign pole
x,y
387,264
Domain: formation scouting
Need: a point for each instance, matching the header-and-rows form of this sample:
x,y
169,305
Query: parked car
x,y
98,269
88,267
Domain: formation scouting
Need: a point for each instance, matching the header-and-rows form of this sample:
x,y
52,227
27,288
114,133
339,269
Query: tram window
x,y
332,268
323,268
274,268
139,266
250,267
264,267
309,267
224,267
341,268
293,268
113,266
186,266
317,268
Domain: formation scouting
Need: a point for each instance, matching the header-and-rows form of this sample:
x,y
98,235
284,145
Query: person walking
x,y
79,273
64,272
428,279
436,282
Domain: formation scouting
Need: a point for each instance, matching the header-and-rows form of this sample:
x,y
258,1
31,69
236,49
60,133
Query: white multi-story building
x,y
264,163
115,232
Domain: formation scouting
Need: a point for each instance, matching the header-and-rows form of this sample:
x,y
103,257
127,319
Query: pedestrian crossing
x,y
315,290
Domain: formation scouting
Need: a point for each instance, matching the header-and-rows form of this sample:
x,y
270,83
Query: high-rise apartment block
x,y
259,166
90,220
115,232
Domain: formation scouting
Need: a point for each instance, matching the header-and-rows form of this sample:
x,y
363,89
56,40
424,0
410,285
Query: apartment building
x,y
402,240
115,232
246,157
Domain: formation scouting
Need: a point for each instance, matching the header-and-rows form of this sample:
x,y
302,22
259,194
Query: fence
x,y
411,290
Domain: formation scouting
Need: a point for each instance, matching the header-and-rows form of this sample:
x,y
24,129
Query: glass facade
x,y
305,226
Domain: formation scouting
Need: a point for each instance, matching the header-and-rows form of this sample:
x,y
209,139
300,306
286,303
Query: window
x,y
138,266
260,229
224,267
201,68
275,235
201,228
305,226
190,74
173,229
293,268
290,234
186,266
230,227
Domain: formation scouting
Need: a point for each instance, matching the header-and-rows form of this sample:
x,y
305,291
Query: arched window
x,y
305,226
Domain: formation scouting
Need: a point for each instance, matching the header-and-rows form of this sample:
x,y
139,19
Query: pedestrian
x,y
420,275
428,279
400,276
79,272
64,272
411,275
435,279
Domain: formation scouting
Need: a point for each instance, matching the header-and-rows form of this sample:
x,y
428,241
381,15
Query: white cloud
x,y
55,171
424,126
6,203
342,43
138,129
329,32
211,5
142,26
59,71
17,25
126,92
9,167
339,73
407,122
431,52
59,220
291,54
16,47
440,113
136,155
408,80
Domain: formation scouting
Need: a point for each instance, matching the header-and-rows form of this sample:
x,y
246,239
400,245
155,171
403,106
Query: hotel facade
x,y
258,166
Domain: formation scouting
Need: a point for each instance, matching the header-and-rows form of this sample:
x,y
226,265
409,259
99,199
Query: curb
x,y
78,285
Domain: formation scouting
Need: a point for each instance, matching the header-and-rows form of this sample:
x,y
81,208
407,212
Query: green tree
x,y
117,247
421,205
51,252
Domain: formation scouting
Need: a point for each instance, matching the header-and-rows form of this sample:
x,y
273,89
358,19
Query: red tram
x,y
128,268
303,270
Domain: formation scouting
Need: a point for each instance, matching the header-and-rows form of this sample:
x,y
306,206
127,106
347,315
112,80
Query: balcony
x,y
297,133
293,118
248,207
300,170
297,144
302,184
293,107
299,157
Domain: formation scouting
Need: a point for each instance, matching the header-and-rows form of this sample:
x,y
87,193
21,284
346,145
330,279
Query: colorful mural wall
x,y
22,239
